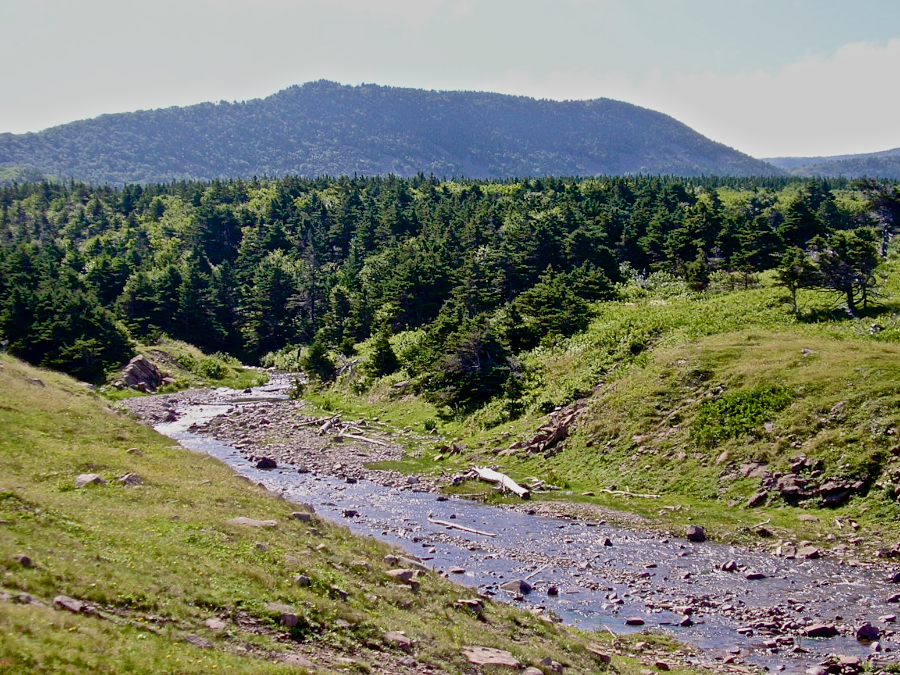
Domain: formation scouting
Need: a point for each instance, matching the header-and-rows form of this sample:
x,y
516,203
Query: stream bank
x,y
737,606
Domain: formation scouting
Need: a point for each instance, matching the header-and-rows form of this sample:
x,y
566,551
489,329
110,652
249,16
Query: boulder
x,y
600,653
266,463
474,605
487,656
694,533
251,522
289,619
634,621
215,624
411,563
517,586
86,479
867,633
142,374
130,480
758,499
23,560
551,665
809,552
68,604
820,630
198,641
399,640
404,576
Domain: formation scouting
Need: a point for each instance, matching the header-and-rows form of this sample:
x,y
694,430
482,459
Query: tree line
x,y
478,270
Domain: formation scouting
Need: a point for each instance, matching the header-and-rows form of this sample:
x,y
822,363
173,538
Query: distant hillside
x,y
884,164
326,128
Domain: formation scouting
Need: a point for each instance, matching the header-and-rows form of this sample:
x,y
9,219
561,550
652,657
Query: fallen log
x,y
537,571
504,481
454,526
328,424
625,493
373,441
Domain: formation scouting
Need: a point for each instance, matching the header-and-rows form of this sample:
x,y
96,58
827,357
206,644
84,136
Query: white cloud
x,y
843,104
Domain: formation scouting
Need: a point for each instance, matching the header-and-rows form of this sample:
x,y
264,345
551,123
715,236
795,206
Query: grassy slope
x,y
160,559
650,366
190,367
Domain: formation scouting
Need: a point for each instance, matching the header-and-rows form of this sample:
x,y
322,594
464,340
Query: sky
x,y
767,77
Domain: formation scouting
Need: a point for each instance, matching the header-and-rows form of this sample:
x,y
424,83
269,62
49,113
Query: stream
x,y
593,575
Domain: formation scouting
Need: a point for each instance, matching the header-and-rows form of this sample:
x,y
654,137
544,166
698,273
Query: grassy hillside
x,y
153,563
706,401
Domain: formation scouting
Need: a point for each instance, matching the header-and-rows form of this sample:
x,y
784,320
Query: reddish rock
x,y
820,630
487,656
68,604
399,640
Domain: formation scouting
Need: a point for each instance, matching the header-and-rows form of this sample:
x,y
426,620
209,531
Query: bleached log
x,y
502,480
454,526
373,441
630,494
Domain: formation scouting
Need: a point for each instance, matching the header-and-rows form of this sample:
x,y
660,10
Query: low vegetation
x,y
154,562
703,400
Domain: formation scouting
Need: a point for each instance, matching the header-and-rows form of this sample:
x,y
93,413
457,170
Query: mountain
x,y
884,164
327,128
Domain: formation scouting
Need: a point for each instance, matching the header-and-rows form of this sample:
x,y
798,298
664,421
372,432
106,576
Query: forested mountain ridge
x,y
323,128
884,164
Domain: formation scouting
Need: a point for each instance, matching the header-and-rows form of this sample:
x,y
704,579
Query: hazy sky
x,y
768,77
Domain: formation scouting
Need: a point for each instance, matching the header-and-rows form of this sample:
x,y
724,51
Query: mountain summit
x,y
327,128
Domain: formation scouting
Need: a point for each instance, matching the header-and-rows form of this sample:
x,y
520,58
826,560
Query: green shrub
x,y
738,413
212,368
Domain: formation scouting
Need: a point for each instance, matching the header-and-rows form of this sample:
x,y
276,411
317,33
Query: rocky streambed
x,y
796,612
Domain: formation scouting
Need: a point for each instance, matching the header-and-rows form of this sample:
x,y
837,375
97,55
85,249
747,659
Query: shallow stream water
x,y
603,575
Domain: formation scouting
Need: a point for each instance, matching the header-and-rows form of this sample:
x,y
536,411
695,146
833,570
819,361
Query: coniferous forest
x,y
475,272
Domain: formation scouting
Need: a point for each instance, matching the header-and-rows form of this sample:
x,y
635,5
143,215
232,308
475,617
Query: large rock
x,y
251,522
517,586
487,656
695,533
398,639
86,479
68,604
758,499
142,374
408,577
867,633
130,480
820,630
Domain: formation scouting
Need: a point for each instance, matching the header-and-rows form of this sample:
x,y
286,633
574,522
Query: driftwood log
x,y
501,479
454,526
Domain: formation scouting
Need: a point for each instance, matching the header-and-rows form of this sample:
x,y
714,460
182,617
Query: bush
x,y
212,368
738,413
316,362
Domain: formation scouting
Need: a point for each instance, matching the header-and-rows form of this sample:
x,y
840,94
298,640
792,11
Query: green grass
x,y
684,389
190,367
159,559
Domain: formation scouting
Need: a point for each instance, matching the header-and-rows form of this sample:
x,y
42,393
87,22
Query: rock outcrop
x,y
143,375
